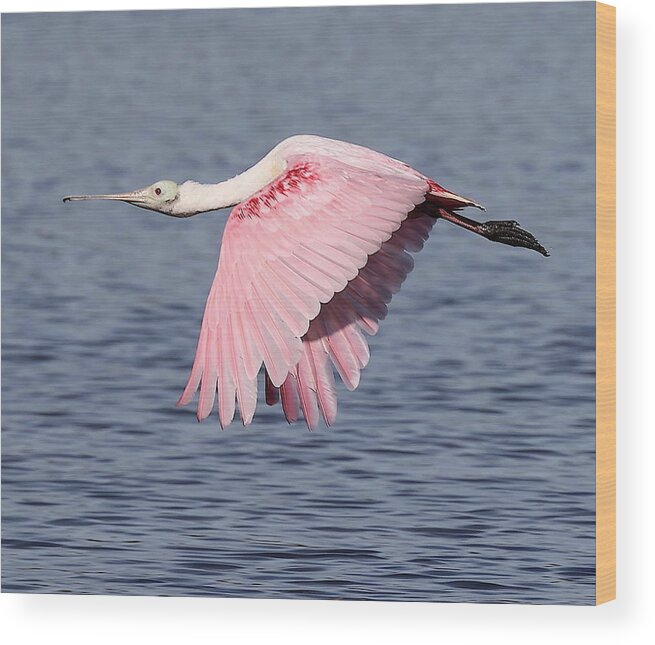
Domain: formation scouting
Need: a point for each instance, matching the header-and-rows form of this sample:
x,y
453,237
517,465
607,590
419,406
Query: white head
x,y
159,197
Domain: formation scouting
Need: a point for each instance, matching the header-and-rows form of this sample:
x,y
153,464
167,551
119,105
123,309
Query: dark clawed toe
x,y
509,232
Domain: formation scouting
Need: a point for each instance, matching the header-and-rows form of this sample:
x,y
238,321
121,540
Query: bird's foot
x,y
509,232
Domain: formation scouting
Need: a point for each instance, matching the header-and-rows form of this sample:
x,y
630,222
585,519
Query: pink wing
x,y
307,264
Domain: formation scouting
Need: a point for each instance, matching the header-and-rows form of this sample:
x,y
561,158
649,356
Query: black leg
x,y
503,231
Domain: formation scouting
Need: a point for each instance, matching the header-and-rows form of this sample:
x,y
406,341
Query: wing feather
x,y
208,385
289,396
326,393
307,392
226,392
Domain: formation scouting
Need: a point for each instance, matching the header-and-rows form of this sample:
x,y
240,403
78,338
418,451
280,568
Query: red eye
x,y
157,191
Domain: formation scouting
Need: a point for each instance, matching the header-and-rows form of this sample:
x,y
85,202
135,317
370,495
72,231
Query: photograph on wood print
x,y
459,447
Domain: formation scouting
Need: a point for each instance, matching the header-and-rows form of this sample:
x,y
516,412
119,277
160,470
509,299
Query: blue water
x,y
462,469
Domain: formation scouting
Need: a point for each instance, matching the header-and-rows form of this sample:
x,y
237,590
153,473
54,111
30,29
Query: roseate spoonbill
x,y
317,243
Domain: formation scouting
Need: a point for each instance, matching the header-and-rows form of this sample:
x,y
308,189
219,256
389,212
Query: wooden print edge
x,y
605,303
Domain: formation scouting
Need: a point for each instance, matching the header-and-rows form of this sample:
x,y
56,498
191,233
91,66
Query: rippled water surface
x,y
462,469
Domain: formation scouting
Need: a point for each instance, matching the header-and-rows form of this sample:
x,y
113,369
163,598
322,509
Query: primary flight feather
x,y
316,245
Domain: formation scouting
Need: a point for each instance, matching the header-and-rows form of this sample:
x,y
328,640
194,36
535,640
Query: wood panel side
x,y
605,303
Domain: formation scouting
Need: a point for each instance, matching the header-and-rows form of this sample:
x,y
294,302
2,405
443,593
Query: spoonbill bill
x,y
317,242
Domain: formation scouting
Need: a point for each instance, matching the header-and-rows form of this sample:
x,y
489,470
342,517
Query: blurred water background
x,y
462,469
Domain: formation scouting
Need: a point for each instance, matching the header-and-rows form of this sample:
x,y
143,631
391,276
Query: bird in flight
x,y
317,242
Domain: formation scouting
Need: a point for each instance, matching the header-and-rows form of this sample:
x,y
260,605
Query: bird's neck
x,y
196,198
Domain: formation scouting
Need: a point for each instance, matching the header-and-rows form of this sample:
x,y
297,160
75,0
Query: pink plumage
x,y
308,264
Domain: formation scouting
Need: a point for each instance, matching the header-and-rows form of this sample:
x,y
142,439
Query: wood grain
x,y
605,303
